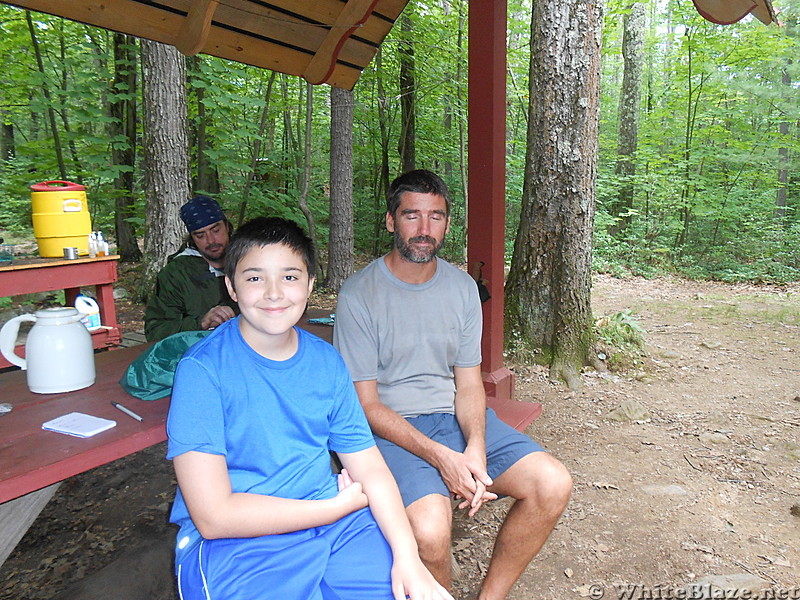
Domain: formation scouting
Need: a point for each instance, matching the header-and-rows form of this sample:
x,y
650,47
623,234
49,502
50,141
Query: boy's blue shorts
x,y
347,560
417,478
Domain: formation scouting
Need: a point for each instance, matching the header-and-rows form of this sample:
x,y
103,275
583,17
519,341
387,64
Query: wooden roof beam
x,y
354,14
726,12
194,33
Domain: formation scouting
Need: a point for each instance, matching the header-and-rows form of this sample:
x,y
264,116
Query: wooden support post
x,y
487,176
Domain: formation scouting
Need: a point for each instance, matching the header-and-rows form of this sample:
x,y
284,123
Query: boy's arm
x,y
410,578
218,512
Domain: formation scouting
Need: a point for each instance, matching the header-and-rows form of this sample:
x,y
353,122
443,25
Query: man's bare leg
x,y
541,486
431,520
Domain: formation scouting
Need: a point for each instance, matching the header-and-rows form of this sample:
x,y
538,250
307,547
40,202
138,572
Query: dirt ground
x,y
701,486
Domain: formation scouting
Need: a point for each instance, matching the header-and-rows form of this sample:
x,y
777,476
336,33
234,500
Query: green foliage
x,y
622,338
717,123
710,147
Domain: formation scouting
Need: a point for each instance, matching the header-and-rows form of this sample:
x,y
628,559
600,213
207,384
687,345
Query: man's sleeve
x,y
469,351
166,309
355,338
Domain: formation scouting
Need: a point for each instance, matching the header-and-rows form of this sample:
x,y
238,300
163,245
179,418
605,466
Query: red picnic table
x,y
33,461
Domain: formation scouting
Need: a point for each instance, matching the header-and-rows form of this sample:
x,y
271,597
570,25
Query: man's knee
x,y
539,477
555,482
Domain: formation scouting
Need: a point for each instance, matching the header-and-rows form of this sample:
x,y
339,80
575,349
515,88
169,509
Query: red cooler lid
x,y
57,186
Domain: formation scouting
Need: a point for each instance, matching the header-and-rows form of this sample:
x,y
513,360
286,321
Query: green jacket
x,y
185,291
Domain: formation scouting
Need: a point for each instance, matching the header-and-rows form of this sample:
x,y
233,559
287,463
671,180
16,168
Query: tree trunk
x,y
407,142
304,172
7,143
51,113
63,111
292,159
688,190
340,238
123,154
207,179
262,128
166,152
462,133
549,285
783,153
628,128
383,175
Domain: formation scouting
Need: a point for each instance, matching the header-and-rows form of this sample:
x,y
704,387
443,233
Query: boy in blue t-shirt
x,y
255,409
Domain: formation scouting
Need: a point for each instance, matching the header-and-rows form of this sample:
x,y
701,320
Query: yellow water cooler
x,y
60,217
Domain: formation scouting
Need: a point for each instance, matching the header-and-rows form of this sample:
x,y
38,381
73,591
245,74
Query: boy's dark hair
x,y
420,182
265,231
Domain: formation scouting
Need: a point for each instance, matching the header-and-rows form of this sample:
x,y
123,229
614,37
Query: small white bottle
x,y
92,245
102,246
89,310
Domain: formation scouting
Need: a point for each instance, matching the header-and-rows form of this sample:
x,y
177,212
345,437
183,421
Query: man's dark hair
x,y
420,182
265,231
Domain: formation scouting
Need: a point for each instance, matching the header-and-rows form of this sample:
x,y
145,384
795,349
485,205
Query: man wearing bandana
x,y
190,292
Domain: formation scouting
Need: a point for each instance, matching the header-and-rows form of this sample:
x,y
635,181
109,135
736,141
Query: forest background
x,y
711,189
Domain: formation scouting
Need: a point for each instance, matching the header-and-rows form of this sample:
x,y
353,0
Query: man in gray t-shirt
x,y
409,328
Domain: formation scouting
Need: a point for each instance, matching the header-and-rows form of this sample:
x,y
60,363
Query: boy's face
x,y
271,286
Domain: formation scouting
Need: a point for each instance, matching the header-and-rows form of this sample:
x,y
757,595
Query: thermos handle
x,y
8,340
59,181
72,205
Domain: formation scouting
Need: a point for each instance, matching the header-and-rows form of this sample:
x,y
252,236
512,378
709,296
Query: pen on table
x,y
127,411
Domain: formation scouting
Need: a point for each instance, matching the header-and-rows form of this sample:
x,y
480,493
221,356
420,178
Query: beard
x,y
417,255
215,252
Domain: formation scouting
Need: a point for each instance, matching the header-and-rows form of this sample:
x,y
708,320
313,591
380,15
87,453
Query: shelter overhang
x,y
726,12
323,41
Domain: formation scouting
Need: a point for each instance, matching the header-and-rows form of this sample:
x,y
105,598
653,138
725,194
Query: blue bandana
x,y
201,211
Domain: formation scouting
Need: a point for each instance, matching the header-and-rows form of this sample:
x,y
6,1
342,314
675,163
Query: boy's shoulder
x,y
315,344
225,346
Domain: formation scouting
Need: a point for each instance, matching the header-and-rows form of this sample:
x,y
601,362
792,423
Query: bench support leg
x,y
17,515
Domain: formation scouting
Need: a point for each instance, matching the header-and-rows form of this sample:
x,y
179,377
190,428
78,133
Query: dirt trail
x,y
703,485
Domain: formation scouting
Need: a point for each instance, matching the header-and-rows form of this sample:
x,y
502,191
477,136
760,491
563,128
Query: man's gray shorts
x,y
417,478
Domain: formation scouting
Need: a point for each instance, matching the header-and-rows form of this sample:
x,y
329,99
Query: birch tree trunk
x,y
628,128
549,285
783,152
341,235
166,152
